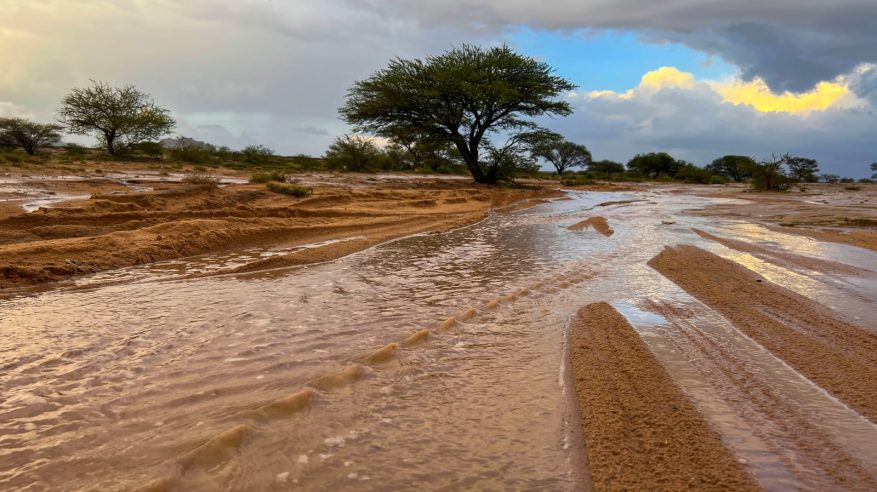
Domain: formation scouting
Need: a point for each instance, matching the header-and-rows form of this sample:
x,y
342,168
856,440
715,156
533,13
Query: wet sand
x,y
840,213
383,368
840,357
112,231
641,431
600,224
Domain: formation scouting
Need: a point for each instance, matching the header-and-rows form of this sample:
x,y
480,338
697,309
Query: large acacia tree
x,y
465,96
118,115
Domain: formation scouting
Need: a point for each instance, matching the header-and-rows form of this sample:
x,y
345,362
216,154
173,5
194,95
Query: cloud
x,y
10,110
695,121
759,96
790,44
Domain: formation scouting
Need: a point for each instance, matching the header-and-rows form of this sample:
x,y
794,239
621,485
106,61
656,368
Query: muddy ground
x,y
119,225
642,429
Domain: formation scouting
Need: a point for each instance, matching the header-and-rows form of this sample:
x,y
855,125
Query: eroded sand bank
x,y
113,231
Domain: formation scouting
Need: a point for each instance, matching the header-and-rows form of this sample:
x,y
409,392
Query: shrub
x,y
576,180
149,149
292,189
269,176
352,153
257,154
75,150
201,180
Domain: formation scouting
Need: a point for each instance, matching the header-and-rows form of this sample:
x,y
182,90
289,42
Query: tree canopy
x,y
28,134
606,167
802,168
735,167
653,164
466,96
353,152
562,154
118,115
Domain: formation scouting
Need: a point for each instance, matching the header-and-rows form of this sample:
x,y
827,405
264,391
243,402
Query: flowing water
x,y
143,378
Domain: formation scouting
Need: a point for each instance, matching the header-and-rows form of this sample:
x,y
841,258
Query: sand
x,y
835,354
600,224
633,415
840,213
113,231
783,258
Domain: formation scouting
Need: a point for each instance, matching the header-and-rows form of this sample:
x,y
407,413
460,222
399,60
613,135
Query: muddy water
x,y
138,378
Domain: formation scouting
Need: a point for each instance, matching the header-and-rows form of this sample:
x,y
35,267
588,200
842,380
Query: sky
x,y
696,78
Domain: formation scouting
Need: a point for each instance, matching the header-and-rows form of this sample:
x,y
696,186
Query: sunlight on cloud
x,y
759,96
666,77
755,94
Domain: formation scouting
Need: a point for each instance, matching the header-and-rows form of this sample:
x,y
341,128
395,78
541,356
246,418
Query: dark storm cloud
x,y
791,44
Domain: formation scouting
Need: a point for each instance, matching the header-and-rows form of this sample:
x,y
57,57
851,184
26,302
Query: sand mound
x,y
633,415
600,224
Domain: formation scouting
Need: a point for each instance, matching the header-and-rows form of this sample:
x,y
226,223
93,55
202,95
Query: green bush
x,y
576,180
269,176
292,189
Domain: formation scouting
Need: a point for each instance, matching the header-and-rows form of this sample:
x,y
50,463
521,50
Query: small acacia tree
x,y
874,169
30,135
768,175
120,116
735,167
562,154
465,96
802,168
606,167
653,164
353,152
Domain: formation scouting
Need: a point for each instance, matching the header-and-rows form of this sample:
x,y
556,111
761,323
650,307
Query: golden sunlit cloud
x,y
758,95
666,77
755,94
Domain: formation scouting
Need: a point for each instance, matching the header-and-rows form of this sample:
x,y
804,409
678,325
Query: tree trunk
x,y
111,144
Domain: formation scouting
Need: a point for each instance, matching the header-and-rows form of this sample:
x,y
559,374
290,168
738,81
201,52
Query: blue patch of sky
x,y
612,60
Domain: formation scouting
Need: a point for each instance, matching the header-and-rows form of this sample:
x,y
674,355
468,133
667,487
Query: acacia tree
x,y
353,152
118,115
465,96
563,154
769,175
606,167
874,169
30,135
653,164
736,167
802,168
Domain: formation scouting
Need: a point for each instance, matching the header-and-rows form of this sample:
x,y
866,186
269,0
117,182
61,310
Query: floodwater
x,y
145,377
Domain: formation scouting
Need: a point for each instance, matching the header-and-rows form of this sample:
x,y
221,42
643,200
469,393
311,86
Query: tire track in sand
x,y
787,422
836,355
641,431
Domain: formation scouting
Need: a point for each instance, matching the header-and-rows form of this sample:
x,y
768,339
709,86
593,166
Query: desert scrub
x,y
269,176
292,189
201,180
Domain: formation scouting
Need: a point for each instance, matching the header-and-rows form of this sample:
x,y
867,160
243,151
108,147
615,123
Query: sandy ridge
x,y
783,258
633,414
833,353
